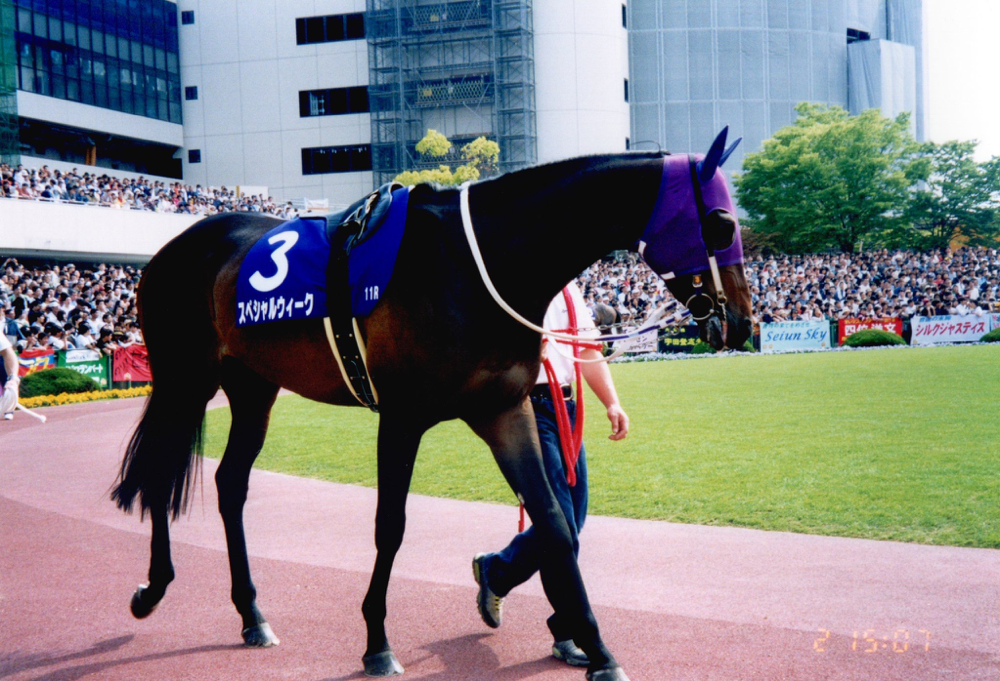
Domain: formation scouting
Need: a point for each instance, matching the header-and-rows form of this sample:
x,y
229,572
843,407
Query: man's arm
x,y
598,377
10,363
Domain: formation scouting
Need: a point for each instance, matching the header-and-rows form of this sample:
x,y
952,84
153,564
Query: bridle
x,y
663,316
718,305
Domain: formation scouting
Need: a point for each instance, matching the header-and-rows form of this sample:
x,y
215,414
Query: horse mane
x,y
434,192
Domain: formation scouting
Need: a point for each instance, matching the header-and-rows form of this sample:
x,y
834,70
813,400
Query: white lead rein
x,y
470,235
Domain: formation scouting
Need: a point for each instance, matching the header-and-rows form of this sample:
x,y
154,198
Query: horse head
x,y
692,241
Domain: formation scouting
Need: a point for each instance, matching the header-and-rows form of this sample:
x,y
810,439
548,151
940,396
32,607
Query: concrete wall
x,y
103,234
74,114
581,63
244,59
883,76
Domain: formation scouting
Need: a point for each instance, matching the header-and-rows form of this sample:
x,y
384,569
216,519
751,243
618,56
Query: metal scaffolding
x,y
464,68
10,151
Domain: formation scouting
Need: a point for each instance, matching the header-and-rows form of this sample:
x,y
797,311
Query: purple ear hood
x,y
672,243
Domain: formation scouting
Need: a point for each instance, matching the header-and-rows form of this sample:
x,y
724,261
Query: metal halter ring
x,y
698,293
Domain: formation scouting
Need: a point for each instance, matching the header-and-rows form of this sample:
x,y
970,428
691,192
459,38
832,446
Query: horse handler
x,y
498,573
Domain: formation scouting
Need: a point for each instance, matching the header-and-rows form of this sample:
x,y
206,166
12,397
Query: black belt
x,y
543,392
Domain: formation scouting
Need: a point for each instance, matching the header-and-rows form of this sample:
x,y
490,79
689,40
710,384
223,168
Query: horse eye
x,y
722,229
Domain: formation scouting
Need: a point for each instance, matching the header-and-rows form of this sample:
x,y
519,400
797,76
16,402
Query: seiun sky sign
x,y
801,335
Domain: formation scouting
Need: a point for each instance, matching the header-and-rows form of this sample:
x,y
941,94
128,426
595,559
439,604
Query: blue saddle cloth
x,y
284,276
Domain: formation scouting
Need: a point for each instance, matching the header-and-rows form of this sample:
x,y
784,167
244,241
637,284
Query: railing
x,y
100,204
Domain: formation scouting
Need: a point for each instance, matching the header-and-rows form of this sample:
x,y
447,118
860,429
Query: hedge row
x,y
77,398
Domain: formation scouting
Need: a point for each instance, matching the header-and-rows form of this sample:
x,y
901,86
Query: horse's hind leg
x,y
397,448
513,439
250,399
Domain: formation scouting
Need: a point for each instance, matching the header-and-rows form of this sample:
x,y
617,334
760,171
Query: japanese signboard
x,y
949,329
35,360
131,364
845,327
995,321
679,338
800,335
645,342
89,363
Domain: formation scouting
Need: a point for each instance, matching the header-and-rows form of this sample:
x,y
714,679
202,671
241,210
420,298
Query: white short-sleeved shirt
x,y
557,319
4,343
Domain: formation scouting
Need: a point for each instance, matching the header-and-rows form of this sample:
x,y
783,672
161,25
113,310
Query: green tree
x,y
831,180
481,157
958,202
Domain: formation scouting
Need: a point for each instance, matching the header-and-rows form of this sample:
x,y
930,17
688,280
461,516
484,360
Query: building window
x,y
191,92
331,28
626,89
333,101
85,52
624,16
350,159
187,17
855,35
194,155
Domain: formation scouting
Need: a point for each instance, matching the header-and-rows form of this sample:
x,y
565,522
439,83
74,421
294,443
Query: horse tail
x,y
163,457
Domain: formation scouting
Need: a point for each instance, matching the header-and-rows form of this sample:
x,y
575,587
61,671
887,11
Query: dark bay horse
x,y
439,348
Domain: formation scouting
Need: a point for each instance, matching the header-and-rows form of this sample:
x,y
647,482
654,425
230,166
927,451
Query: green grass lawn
x,y
888,444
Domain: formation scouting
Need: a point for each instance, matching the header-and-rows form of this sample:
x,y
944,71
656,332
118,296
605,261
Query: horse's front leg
x,y
513,438
397,448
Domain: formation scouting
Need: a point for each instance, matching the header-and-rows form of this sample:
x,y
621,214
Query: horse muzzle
x,y
731,335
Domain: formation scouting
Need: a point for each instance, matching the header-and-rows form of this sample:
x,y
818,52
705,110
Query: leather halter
x,y
718,305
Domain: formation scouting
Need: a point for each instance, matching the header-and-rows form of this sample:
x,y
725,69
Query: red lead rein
x,y
571,440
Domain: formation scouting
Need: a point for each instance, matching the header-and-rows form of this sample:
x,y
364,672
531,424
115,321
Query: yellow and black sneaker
x,y
490,605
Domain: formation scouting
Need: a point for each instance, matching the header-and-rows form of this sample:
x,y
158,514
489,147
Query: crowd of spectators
x,y
876,284
43,184
62,307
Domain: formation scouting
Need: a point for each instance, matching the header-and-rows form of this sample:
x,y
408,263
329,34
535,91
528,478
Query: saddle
x,y
346,230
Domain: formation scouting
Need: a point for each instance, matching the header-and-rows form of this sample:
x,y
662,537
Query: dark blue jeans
x,y
520,560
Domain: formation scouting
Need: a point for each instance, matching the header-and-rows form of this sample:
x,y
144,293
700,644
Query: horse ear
x,y
711,162
729,151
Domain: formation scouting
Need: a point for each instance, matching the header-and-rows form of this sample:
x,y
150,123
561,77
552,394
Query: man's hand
x,y
619,422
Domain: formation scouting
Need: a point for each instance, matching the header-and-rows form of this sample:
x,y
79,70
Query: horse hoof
x,y
613,674
141,604
382,664
260,636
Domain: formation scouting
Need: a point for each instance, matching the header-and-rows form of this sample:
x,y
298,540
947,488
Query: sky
x,y
963,57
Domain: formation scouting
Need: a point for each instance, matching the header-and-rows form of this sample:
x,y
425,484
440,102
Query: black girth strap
x,y
342,329
344,334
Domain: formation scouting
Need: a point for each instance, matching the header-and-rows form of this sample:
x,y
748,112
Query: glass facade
x,y
349,159
697,66
329,29
114,54
333,101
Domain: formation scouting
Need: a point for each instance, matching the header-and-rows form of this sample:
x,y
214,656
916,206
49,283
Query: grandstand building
x,y
98,83
697,66
327,98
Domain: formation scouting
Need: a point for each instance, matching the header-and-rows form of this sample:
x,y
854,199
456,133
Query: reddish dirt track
x,y
673,601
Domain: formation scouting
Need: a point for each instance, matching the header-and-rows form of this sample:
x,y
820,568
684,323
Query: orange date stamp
x,y
868,641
